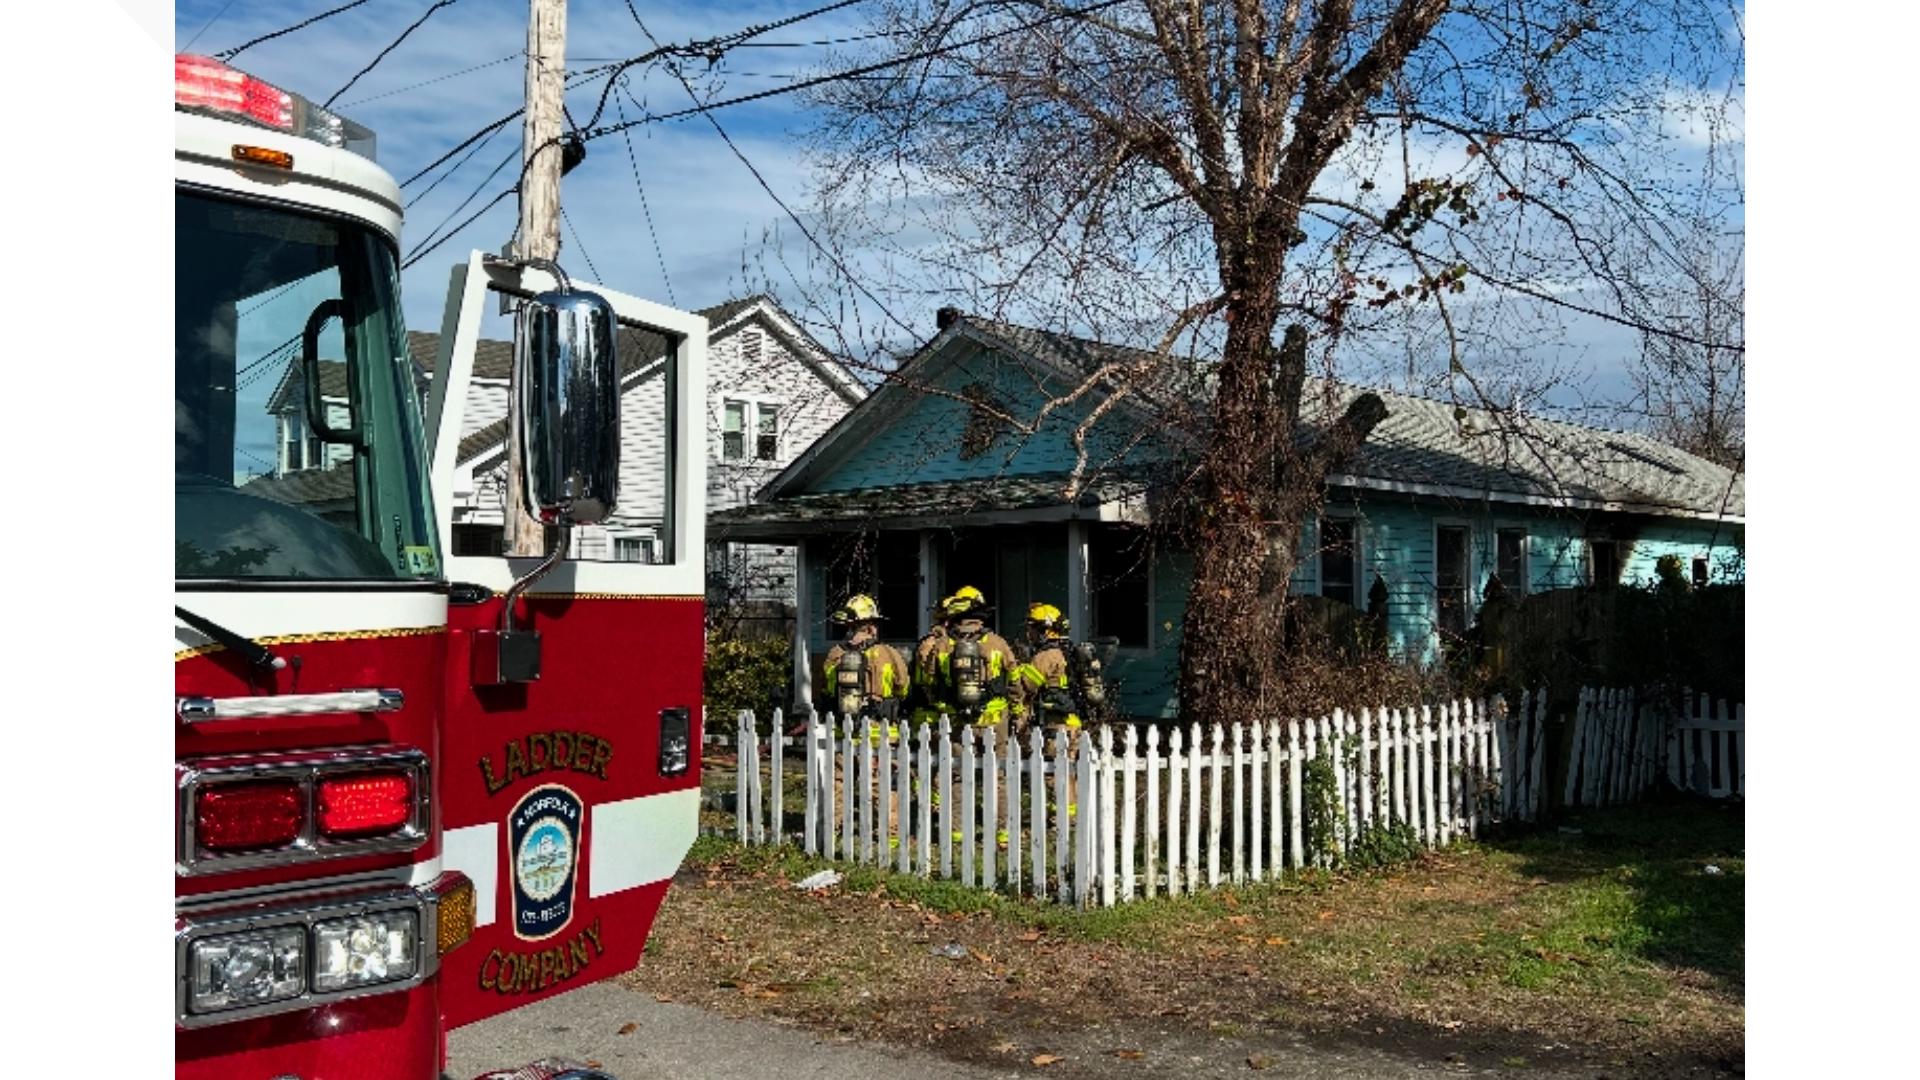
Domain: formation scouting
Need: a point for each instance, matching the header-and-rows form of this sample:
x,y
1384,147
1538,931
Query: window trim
x,y
779,411
750,403
1526,555
1470,600
1356,533
726,405
1593,561
1093,604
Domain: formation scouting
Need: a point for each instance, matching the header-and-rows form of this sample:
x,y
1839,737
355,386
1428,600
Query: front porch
x,y
1015,540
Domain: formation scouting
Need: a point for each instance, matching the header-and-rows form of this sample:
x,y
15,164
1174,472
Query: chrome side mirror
x,y
568,380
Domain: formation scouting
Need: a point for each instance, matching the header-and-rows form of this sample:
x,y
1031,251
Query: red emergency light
x,y
365,805
206,85
240,817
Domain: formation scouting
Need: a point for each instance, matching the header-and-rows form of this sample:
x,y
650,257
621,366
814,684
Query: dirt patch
x,y
1610,948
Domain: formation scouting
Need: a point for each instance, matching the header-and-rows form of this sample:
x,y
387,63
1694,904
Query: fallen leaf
x,y
1276,941
1043,1060
1004,1048
663,998
628,1029
1130,1055
1259,1061
1326,916
1031,935
1239,920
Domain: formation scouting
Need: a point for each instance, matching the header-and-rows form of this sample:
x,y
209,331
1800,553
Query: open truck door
x,y
571,787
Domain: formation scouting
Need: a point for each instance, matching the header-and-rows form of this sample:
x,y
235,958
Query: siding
x,y
922,444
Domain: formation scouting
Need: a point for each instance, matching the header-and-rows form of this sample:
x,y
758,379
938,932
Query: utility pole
x,y
539,216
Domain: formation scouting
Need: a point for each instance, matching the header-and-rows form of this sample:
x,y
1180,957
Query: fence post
x,y
1574,748
1108,854
1176,773
903,795
1153,811
1014,850
989,810
969,802
1276,802
1257,793
1129,795
1062,817
1296,843
943,836
1037,813
742,783
1204,764
883,760
829,791
926,800
1084,848
809,831
1237,868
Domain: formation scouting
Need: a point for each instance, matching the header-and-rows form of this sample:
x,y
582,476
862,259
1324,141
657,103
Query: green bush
x,y
746,673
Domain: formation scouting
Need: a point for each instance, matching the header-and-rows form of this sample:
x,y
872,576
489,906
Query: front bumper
x,y
304,911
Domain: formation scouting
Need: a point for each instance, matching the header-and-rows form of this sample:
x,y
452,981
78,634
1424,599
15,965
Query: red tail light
x,y
235,817
365,804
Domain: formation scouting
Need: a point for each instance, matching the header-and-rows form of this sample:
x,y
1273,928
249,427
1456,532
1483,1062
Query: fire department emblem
x,y
544,834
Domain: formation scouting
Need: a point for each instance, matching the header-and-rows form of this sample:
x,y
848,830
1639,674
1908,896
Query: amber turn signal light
x,y
260,155
456,916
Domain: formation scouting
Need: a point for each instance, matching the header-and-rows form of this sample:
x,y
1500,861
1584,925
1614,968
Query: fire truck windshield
x,y
292,463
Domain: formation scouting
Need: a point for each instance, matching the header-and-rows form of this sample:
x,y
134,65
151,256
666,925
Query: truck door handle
x,y
200,710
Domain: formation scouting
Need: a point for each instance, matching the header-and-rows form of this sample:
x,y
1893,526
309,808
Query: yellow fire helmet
x,y
966,601
1048,618
858,609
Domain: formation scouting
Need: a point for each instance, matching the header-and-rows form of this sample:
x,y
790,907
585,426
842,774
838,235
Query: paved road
x,y
685,1043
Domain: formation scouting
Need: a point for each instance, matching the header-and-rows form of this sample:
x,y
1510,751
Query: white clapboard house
x,y
771,391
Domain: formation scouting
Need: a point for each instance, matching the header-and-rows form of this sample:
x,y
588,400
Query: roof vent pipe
x,y
946,317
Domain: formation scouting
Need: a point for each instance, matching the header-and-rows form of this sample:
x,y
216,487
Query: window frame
x,y
1356,596
726,407
762,411
1468,598
1593,561
1525,587
1150,575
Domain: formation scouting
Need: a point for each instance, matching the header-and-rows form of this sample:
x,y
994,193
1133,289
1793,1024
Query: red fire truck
x,y
415,789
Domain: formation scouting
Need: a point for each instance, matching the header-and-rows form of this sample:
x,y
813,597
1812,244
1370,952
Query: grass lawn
x,y
1618,934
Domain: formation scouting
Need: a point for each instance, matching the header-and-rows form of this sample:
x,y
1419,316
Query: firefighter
x,y
867,676
1042,690
926,701
967,670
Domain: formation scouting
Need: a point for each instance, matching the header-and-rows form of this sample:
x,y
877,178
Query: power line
x,y
515,55
768,188
423,253
579,243
394,44
645,210
457,166
208,25
229,54
481,186
924,54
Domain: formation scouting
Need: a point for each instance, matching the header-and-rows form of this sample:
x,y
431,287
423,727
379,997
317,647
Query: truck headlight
x,y
235,970
364,950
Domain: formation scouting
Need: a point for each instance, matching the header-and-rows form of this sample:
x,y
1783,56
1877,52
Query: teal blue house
x,y
918,490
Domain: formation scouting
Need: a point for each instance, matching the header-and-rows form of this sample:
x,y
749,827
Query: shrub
x,y
746,673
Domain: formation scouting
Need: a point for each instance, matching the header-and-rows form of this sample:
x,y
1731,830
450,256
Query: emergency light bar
x,y
202,84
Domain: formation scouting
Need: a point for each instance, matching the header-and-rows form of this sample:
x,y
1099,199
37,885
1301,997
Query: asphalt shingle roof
x,y
1420,443
907,502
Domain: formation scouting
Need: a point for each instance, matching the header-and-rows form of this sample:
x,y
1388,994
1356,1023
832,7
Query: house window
x,y
1606,562
1699,571
897,585
292,442
767,444
1450,576
1337,578
480,540
733,431
638,549
1510,560
1117,566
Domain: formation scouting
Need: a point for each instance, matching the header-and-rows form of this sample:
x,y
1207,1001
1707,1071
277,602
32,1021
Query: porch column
x,y
923,619
802,632
1079,604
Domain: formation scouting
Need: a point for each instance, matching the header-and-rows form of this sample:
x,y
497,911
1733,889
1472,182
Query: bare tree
x,y
1439,178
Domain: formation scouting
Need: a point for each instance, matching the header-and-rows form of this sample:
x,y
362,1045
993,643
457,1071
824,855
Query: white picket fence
x,y
1624,741
1115,817
1707,748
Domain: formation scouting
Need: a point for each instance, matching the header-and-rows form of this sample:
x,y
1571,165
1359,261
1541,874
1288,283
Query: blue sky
x,y
710,215
707,209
